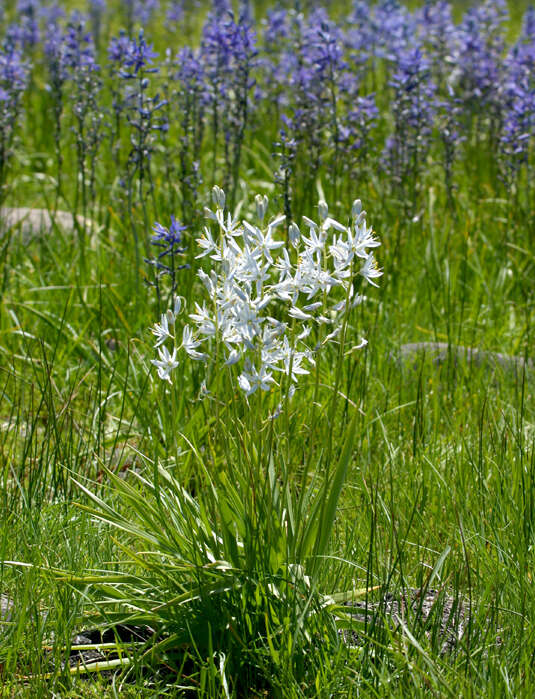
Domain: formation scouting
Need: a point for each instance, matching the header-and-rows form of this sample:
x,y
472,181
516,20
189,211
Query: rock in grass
x,y
6,606
442,352
32,222
120,633
442,617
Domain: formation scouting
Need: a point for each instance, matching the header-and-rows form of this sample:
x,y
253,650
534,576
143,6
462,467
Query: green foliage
x,y
124,501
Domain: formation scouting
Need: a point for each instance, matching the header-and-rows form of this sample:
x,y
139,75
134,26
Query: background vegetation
x,y
440,487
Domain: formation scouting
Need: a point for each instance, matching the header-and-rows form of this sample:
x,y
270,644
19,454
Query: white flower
x,y
166,363
304,333
314,243
266,243
369,270
295,312
342,253
331,223
331,336
206,242
261,206
189,343
228,225
243,383
161,330
363,239
356,208
218,197
203,320
340,306
233,357
310,223
208,282
292,361
284,265
251,380
257,290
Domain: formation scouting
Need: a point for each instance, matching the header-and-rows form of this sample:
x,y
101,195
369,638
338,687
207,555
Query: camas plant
x,y
57,76
232,563
169,243
228,55
413,110
78,58
28,25
96,11
266,298
518,95
71,65
13,79
143,114
141,111
480,58
188,99
117,51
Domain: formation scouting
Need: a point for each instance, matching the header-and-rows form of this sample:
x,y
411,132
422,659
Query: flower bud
x,y
177,305
323,210
218,197
356,208
360,218
294,234
261,206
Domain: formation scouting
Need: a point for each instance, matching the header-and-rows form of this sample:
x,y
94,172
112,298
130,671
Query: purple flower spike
x,y
138,55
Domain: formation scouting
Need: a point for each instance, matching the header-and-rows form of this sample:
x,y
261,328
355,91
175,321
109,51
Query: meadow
x,y
266,368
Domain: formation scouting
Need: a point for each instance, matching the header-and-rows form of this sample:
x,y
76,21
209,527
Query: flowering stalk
x,y
78,62
141,111
96,10
261,286
117,51
13,80
329,64
28,25
285,154
518,95
413,109
57,74
228,55
244,55
448,117
169,242
190,97
141,114
479,60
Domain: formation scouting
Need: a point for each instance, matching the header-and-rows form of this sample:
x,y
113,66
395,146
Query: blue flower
x,y
138,55
168,238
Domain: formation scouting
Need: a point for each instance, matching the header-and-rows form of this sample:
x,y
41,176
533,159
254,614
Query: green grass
x,y
440,487
443,459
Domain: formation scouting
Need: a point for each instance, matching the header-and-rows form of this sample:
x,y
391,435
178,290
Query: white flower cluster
x,y
264,296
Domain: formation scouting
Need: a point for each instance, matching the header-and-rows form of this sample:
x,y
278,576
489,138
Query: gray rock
x,y
441,352
6,605
32,222
438,614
